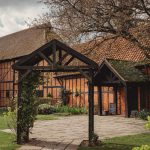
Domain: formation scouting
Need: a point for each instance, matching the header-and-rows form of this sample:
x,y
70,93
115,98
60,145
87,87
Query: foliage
x,y
7,140
78,20
144,114
66,92
71,110
77,93
143,147
94,139
11,119
66,96
49,95
46,109
148,123
29,104
3,124
44,100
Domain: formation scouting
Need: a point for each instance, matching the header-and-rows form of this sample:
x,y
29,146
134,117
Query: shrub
x,y
45,109
11,119
143,147
148,123
44,100
71,110
144,114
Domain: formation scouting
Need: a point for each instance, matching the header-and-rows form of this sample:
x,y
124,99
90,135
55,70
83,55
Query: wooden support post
x,y
60,56
91,110
139,98
54,53
126,101
19,111
115,98
100,99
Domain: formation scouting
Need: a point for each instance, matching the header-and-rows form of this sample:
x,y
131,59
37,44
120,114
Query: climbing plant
x,y
29,103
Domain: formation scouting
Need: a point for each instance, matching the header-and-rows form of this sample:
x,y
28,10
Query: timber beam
x,y
55,68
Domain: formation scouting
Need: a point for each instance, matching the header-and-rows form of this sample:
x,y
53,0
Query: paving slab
x,y
67,133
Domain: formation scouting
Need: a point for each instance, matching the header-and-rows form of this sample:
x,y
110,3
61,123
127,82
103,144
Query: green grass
x,y
54,116
7,140
3,124
122,143
46,117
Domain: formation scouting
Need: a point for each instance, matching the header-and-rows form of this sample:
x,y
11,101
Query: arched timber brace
x,y
60,58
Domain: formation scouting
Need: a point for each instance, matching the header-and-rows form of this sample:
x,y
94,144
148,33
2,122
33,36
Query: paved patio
x,y
68,132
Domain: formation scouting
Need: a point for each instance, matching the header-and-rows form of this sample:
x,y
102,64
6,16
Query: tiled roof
x,y
128,71
24,42
119,49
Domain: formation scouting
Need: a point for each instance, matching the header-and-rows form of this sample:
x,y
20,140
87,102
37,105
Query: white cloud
x,y
13,16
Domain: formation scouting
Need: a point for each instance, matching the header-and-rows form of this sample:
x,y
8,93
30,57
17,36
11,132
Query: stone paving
x,y
68,132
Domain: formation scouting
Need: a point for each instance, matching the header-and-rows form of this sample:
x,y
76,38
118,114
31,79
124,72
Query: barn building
x,y
121,82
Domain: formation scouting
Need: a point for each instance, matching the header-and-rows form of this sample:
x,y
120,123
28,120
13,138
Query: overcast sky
x,y
14,14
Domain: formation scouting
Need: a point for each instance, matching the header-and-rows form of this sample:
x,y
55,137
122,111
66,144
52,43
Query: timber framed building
x,y
121,82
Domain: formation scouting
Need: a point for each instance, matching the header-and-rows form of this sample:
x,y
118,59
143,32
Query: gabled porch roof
x,y
119,72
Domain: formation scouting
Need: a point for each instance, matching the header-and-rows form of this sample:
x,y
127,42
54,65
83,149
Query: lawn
x,y
7,140
46,117
122,143
54,116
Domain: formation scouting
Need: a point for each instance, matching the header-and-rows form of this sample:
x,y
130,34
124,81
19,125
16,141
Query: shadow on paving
x,y
50,145
109,146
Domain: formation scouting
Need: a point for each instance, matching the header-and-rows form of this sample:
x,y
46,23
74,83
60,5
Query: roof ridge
x,y
23,30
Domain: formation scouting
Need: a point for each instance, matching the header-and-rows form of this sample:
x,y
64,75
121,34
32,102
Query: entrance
x,y
57,58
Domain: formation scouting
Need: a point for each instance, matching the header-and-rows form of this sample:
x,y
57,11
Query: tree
x,y
78,20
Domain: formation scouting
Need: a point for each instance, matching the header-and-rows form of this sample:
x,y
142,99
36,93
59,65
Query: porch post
x,y
91,109
100,99
126,101
19,107
115,98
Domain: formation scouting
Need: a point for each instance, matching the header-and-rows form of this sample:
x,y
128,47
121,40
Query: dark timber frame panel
x,y
48,52
7,82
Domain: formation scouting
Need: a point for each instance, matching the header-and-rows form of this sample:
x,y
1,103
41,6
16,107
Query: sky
x,y
15,13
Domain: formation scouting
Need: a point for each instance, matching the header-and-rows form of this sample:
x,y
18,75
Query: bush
x,y
46,109
45,100
143,147
148,123
71,110
143,114
11,119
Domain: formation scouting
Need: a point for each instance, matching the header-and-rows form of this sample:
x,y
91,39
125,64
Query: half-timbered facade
x,y
119,89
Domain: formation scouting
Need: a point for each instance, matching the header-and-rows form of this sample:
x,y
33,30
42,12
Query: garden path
x,y
68,132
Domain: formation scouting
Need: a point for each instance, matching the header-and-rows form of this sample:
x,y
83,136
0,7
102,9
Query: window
x,y
39,93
